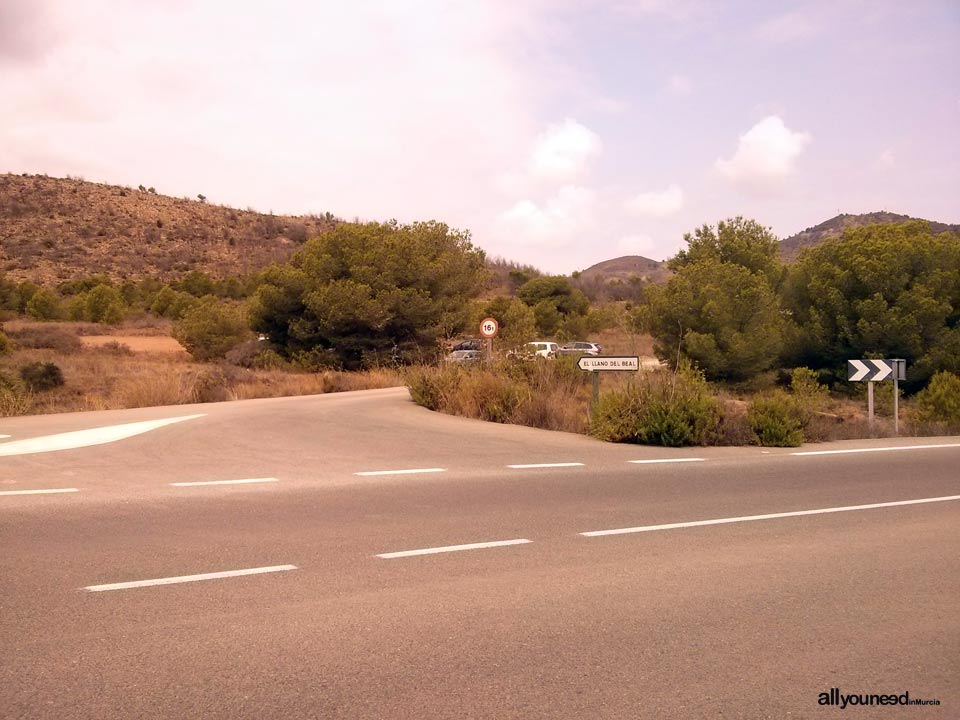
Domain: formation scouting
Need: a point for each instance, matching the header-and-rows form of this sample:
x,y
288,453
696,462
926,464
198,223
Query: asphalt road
x,y
345,607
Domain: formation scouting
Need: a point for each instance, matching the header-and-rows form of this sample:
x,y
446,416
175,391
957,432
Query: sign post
x,y
488,328
597,364
872,371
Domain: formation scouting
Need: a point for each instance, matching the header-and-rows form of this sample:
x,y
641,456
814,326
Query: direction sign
x,y
489,327
597,363
876,370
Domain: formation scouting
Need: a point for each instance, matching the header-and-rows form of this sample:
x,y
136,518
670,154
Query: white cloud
x,y
557,222
767,151
657,204
563,151
887,158
636,245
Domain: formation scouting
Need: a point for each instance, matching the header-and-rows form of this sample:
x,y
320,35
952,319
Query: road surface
x,y
356,556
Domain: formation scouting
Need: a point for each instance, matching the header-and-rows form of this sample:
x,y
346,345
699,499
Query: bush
x,y
39,376
43,305
50,337
659,409
940,400
777,420
429,387
6,347
211,328
104,304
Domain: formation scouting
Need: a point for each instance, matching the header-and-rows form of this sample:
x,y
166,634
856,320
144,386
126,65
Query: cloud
x,y
636,245
767,151
561,220
656,204
563,151
887,159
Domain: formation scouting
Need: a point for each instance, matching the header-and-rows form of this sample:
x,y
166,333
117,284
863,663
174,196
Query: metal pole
x,y
596,386
896,406
870,403
489,349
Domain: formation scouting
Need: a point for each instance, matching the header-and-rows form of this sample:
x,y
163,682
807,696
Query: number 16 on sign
x,y
488,328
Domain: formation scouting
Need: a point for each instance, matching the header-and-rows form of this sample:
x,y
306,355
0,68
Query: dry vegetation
x,y
54,229
111,374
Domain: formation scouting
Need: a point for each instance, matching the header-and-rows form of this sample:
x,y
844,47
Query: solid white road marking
x,y
86,438
453,548
771,516
189,578
4,437
878,449
224,482
411,471
38,492
665,460
545,465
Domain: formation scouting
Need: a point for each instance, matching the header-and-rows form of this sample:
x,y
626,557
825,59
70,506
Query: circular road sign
x,y
489,327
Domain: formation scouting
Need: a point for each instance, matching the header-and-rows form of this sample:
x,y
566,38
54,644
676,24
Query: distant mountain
x,y
626,268
54,229
790,247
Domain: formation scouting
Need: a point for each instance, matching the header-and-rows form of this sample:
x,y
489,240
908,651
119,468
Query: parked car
x,y
580,348
471,344
464,356
540,348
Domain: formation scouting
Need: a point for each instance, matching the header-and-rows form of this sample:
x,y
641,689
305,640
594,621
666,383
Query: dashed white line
x,y
411,471
245,481
453,548
665,460
189,578
545,465
877,449
39,492
4,437
771,516
86,438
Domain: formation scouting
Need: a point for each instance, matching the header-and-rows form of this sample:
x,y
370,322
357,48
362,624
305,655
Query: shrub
x,y
14,402
777,420
940,400
50,337
211,328
429,387
6,346
103,304
660,409
39,376
43,305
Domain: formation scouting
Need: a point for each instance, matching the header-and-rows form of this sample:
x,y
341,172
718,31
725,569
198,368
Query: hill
x,y
790,247
54,229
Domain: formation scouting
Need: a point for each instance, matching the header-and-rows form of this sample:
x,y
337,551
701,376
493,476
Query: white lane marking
x,y
771,516
545,465
879,449
411,471
86,438
245,481
665,460
453,548
189,578
4,437
39,492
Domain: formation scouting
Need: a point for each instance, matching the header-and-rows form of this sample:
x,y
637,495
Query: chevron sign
x,y
875,370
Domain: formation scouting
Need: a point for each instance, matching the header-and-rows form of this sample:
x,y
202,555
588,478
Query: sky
x,y
560,133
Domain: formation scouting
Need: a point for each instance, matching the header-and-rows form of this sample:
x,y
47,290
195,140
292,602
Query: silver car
x,y
580,348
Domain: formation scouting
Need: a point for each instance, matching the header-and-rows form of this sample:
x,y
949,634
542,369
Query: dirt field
x,y
137,343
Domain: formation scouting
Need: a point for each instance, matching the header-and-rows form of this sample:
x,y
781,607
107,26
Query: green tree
x,y
737,241
518,325
557,290
211,328
361,291
9,295
171,304
104,304
878,291
44,304
721,315
197,283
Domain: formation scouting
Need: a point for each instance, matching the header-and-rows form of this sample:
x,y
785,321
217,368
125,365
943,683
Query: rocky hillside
x,y
790,247
53,229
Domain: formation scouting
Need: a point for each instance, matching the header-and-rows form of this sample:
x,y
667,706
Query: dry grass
x,y
135,343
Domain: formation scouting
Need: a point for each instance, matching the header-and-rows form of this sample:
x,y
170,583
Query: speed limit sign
x,y
489,327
